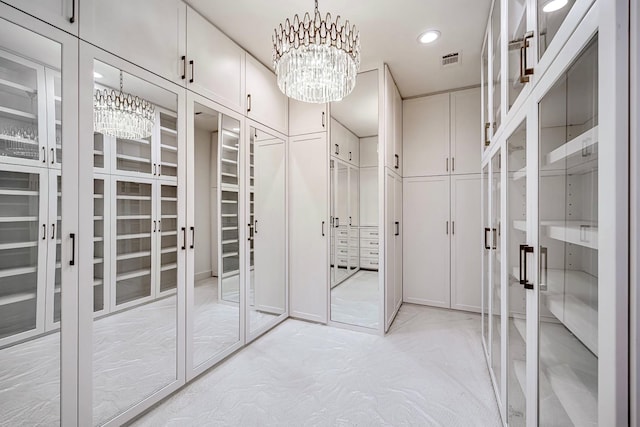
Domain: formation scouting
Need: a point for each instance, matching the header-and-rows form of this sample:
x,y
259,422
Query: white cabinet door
x,y
397,130
149,33
388,144
305,117
466,235
265,102
308,227
215,64
465,128
368,152
426,241
390,247
399,232
426,136
59,13
353,155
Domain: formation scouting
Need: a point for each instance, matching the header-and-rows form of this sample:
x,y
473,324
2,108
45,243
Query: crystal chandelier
x,y
122,115
316,61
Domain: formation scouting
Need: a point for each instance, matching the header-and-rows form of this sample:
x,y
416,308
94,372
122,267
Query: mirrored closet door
x,y
38,221
266,227
355,283
214,234
138,254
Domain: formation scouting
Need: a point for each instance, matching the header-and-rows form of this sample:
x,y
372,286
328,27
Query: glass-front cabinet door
x,y
486,256
496,66
519,69
496,262
568,245
550,16
516,251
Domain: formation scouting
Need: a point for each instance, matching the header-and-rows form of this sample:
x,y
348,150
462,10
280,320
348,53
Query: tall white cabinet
x,y
555,215
442,198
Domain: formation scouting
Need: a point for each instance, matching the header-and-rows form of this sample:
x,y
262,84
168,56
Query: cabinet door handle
x,y
53,156
349,155
545,277
72,236
154,169
53,231
44,231
159,169
495,238
72,19
323,119
350,222
447,164
337,149
154,226
487,126
453,227
184,238
193,237
337,222
525,72
397,165
249,232
184,67
397,223
322,228
487,230
524,250
255,227
447,228
248,103
44,154
159,225
453,164
192,71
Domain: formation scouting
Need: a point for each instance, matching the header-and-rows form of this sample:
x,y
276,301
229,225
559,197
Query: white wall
x,y
204,221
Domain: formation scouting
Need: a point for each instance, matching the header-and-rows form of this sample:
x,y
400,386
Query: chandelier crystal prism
x,y
316,60
122,115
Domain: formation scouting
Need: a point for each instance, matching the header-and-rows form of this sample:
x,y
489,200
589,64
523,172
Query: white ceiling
x,y
388,33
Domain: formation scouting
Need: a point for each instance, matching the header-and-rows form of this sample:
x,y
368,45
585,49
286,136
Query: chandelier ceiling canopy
x,y
316,60
122,115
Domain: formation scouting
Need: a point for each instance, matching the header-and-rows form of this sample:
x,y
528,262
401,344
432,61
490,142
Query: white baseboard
x,y
203,275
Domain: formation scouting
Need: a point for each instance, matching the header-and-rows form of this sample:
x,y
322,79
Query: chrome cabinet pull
x,y
543,256
495,238
487,230
487,126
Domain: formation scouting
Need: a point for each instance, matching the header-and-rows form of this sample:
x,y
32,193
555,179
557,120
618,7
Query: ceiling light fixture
x,y
122,115
429,36
316,60
553,5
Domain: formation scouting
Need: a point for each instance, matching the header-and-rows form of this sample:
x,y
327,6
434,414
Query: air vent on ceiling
x,y
451,59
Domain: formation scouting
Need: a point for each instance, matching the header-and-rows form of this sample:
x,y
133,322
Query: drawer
x,y
369,233
342,241
369,253
369,263
341,231
369,244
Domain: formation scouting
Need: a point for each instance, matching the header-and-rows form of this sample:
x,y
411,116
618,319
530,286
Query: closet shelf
x,y
230,162
17,271
572,297
17,113
17,139
229,228
20,245
133,274
133,255
230,274
16,298
169,147
98,260
168,233
18,86
168,267
97,282
229,215
133,236
168,250
229,175
577,144
582,233
169,216
141,198
229,202
230,148
230,241
169,199
18,219
18,193
168,130
230,254
169,164
133,158
132,217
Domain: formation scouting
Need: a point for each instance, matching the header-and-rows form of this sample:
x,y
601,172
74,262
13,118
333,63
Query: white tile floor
x,y
428,371
356,301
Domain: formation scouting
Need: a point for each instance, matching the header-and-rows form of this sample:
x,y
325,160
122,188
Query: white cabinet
x,y
344,144
265,102
465,123
215,64
306,117
393,246
426,243
441,134
308,227
466,259
426,135
393,112
59,13
369,152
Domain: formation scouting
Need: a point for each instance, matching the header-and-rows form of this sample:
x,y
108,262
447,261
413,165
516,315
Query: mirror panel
x,y
136,267
267,230
216,279
31,201
355,288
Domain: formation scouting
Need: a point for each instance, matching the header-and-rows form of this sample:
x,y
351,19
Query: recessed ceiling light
x,y
429,36
553,5
97,75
